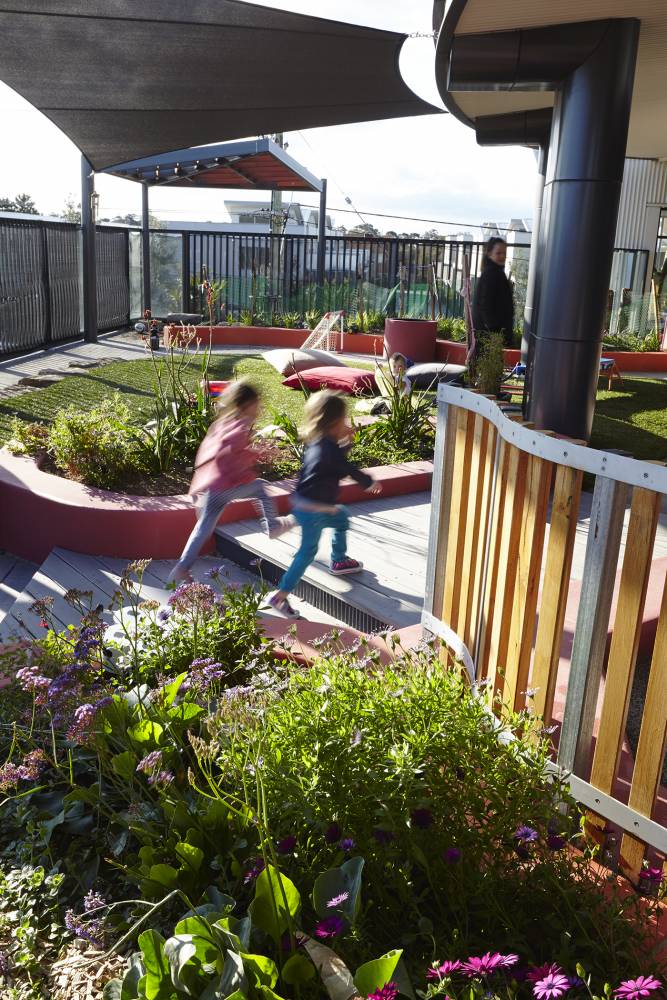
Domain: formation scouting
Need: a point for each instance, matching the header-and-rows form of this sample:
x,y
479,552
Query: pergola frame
x,y
195,167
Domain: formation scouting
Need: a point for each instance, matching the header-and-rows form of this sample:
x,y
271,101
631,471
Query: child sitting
x,y
225,471
314,506
389,382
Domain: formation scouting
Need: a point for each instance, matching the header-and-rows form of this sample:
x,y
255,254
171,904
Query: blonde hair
x,y
322,410
235,398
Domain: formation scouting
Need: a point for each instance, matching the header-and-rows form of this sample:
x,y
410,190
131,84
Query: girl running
x,y
314,506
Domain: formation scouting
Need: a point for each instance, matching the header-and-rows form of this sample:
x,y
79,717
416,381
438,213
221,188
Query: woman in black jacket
x,y
493,304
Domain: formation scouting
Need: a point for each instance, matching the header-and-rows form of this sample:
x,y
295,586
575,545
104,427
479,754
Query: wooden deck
x,y
388,535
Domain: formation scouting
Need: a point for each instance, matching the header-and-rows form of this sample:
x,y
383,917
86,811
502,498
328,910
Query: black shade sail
x,y
253,164
130,78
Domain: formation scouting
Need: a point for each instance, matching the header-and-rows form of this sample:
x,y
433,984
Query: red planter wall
x,y
627,361
268,337
414,338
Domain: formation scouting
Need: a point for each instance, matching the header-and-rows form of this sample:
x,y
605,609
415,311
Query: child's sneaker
x,y
280,526
282,606
345,566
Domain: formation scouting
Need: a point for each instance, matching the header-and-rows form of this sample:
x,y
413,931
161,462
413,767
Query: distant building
x,y
255,217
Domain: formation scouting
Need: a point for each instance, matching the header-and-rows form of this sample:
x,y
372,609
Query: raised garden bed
x,y
275,336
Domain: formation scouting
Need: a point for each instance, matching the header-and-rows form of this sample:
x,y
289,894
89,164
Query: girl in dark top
x,y
314,503
493,304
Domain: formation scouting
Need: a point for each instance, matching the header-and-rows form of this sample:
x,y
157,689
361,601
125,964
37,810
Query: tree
x,y
364,229
432,234
25,204
71,210
22,203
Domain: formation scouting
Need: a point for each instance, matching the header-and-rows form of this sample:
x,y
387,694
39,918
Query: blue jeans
x,y
312,526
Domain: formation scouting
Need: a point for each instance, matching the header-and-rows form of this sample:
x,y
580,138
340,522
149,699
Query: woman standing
x,y
493,304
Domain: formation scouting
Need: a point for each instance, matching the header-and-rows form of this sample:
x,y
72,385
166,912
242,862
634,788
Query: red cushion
x,y
353,381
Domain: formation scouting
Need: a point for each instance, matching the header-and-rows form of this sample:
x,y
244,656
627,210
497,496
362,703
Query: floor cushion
x,y
288,360
353,381
429,374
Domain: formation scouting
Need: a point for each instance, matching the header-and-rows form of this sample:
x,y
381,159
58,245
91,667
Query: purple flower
x,y
452,855
551,987
80,730
164,614
526,833
356,737
286,845
333,833
338,900
149,762
161,778
213,573
89,930
93,901
488,964
31,680
382,835
555,842
254,871
438,972
652,874
330,927
522,852
642,986
193,599
387,992
347,844
421,818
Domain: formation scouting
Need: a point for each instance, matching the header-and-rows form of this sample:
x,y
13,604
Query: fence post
x,y
89,251
46,283
145,246
185,272
590,635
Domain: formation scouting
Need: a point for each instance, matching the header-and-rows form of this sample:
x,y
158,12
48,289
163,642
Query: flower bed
x,y
627,361
243,828
275,336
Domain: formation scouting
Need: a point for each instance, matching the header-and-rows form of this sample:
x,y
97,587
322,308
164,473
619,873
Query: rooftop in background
x,y
254,164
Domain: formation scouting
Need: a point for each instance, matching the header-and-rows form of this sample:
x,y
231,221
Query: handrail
x,y
634,472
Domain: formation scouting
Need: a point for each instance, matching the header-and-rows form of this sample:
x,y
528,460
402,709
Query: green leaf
x,y
194,925
375,974
136,970
113,990
124,765
164,875
188,955
186,712
191,855
262,971
233,977
178,950
158,985
336,882
268,909
146,732
297,970
170,691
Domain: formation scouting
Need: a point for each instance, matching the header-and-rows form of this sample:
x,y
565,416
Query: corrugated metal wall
x,y
644,191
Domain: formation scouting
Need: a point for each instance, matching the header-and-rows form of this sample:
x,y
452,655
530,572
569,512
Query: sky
x,y
428,167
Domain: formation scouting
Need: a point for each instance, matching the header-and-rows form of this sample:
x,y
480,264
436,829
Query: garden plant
x,y
179,792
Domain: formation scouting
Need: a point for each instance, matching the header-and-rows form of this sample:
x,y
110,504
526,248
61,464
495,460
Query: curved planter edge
x,y
41,512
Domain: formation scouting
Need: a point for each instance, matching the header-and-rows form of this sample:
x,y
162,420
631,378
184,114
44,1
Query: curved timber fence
x,y
505,504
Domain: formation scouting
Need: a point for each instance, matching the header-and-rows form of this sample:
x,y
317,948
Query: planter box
x,y
413,338
268,337
627,361
42,511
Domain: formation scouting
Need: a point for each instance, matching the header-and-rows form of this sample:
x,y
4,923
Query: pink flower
x,y
387,992
642,986
538,972
330,927
488,964
551,987
438,972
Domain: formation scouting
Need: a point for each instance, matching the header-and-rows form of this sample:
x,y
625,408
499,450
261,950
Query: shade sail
x,y
254,164
130,78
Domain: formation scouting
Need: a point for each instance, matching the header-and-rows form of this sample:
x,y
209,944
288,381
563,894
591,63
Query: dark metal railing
x,y
257,277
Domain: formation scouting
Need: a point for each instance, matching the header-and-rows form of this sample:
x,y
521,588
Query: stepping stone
x,y
40,381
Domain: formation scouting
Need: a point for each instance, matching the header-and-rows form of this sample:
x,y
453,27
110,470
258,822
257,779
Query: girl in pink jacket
x,y
225,471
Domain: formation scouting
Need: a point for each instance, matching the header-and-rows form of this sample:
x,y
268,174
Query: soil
x,y
168,484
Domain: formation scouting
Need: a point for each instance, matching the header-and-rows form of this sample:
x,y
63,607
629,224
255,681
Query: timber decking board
x,y
391,588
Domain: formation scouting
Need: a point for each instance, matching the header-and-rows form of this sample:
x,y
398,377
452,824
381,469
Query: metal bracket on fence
x,y
616,812
452,640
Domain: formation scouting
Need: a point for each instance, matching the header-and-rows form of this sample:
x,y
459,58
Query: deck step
x,y
389,536
14,575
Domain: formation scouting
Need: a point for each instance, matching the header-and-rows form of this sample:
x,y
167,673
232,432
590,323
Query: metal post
x,y
145,247
321,239
581,198
542,156
88,254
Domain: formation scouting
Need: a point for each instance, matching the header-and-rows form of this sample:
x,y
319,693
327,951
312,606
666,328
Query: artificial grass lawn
x,y
134,379
630,418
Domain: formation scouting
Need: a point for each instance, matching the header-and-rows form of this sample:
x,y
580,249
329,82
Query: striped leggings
x,y
210,508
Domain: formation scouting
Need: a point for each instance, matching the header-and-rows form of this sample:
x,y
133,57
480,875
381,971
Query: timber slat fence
x,y
504,514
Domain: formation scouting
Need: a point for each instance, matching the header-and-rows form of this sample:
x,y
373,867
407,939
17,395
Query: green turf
x,y
632,418
135,380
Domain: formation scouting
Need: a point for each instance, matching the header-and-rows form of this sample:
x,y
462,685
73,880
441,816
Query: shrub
x,y
28,438
29,929
451,328
460,831
95,446
490,364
